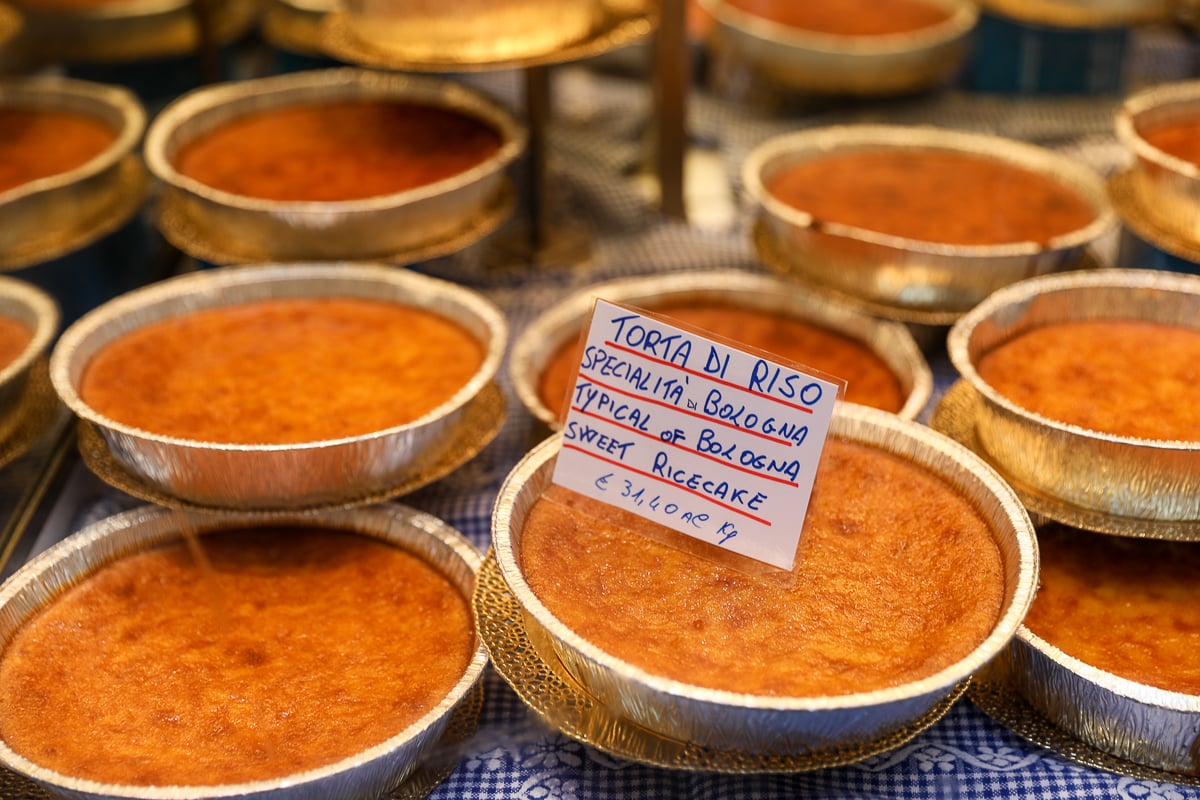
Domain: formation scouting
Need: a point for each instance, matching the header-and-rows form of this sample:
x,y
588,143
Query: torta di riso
x,y
286,650
880,598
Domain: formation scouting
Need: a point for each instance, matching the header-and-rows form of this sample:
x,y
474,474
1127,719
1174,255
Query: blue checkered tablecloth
x,y
597,142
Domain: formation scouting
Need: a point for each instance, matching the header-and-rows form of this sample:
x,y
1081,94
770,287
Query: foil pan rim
x,y
230,278
52,92
295,86
1108,681
426,523
123,9
963,18
826,139
961,332
1125,123
45,311
1002,632
575,305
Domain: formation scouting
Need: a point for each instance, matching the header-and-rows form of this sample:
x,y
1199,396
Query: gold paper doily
x,y
31,417
128,194
429,774
482,419
993,695
619,25
955,416
178,229
1124,199
769,253
550,691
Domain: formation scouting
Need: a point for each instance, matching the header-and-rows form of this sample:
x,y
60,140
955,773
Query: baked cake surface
x,y
297,648
1130,607
932,195
1180,138
899,577
337,151
1120,377
870,381
14,338
282,371
848,17
39,143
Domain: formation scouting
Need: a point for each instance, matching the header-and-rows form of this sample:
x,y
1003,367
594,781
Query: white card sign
x,y
709,440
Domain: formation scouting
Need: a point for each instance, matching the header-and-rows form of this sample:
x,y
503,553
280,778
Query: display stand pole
x,y
537,115
671,88
206,42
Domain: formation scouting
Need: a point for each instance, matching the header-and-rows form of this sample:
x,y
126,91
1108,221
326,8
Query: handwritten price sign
x,y
709,440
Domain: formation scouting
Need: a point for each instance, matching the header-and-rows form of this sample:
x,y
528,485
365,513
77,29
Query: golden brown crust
x,y
14,338
282,371
38,143
849,17
1126,606
1121,377
300,648
338,151
932,195
899,578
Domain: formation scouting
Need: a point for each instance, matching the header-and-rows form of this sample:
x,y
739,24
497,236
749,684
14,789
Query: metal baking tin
x,y
1144,241
1164,187
1118,475
909,273
50,216
244,476
374,227
132,30
469,29
1136,722
36,310
860,65
1084,13
783,725
562,323
371,773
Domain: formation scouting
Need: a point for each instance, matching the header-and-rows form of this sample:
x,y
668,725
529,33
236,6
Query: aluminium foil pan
x,y
371,773
1083,13
823,63
57,214
908,273
37,311
730,720
563,323
471,30
1133,721
276,476
1118,475
129,31
1165,188
261,230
